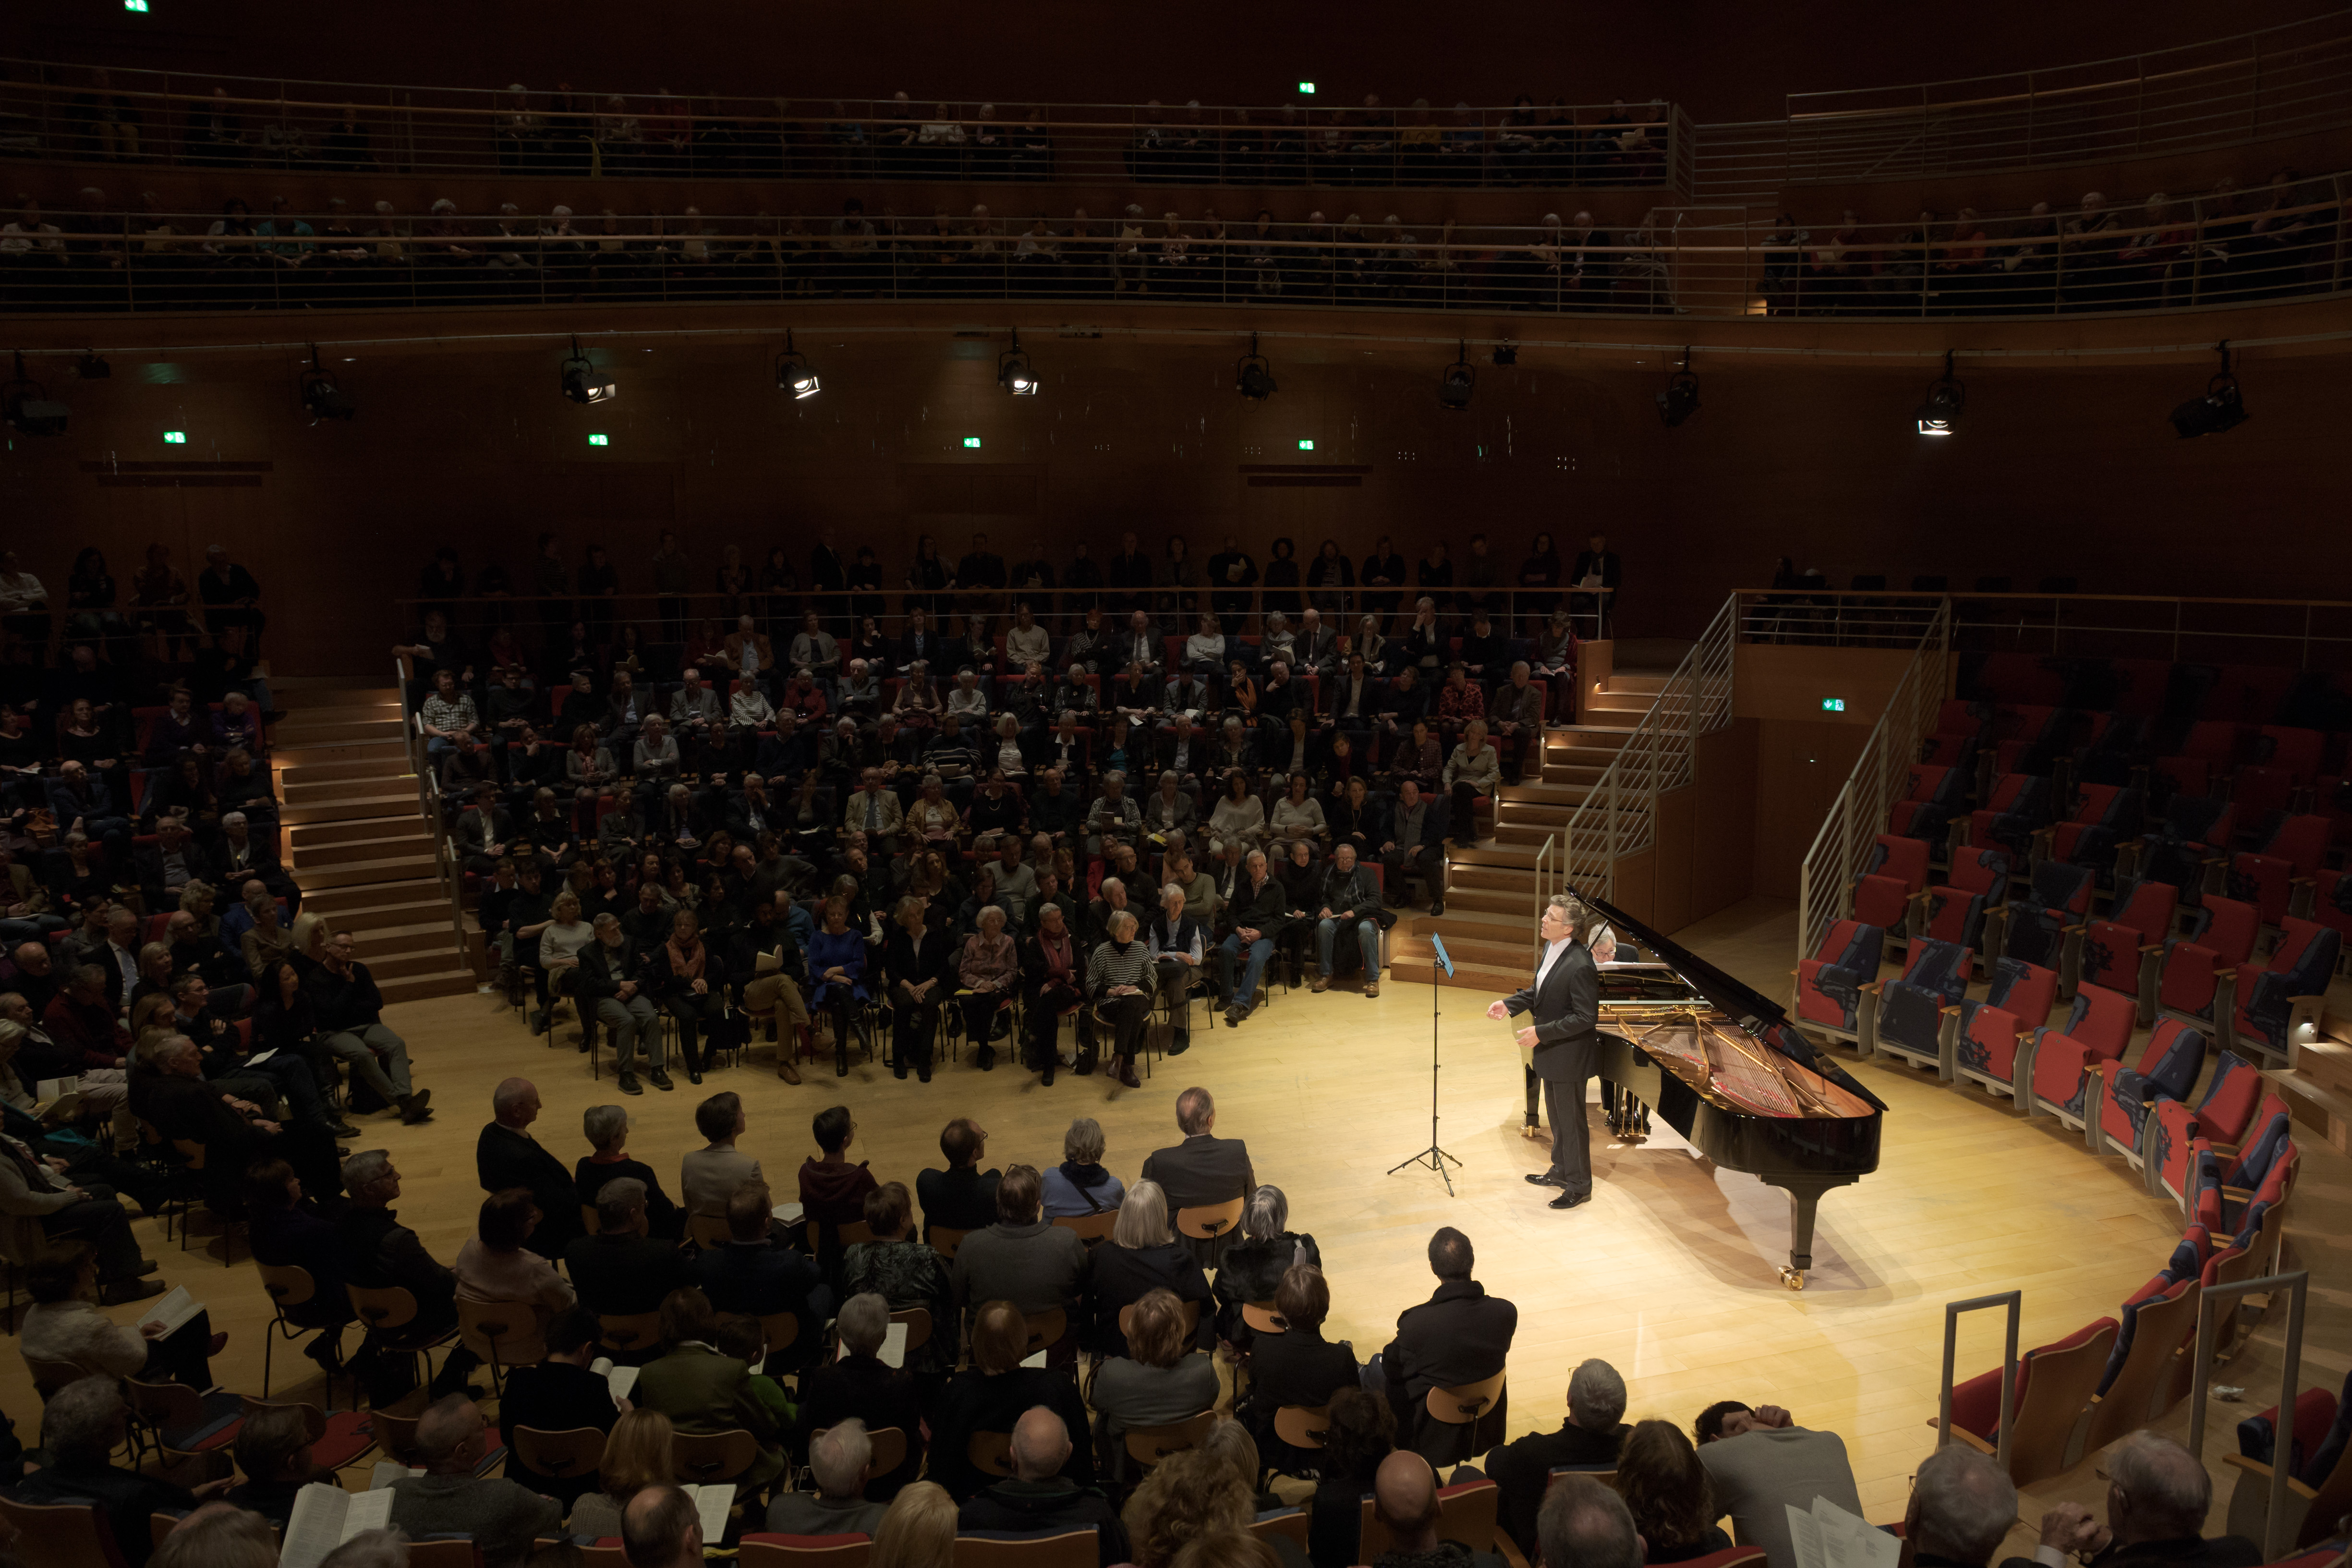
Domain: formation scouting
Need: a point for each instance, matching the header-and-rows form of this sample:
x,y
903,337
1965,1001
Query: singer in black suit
x,y
1563,1005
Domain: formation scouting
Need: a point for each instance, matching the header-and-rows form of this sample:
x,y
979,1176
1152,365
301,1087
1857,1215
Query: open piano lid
x,y
1760,1017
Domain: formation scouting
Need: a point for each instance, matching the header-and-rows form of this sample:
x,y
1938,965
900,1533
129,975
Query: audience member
x,y
62,1326
501,1516
1186,1497
1143,1256
1404,1500
1202,1171
606,1128
496,1264
378,1252
1460,1335
1081,1186
751,1276
622,1271
1757,1461
709,1177
1253,1266
1665,1488
506,1155
2159,1495
1023,1257
861,1383
702,1391
918,1531
561,1395
84,1423
908,1274
1038,1495
963,1197
841,1461
1585,1522
638,1453
286,1229
1162,1379
661,1527
833,1190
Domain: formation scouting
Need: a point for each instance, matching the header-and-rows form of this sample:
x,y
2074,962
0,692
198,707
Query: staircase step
x,y
343,898
367,709
330,729
325,803
1496,902
1621,702
401,922
412,845
393,868
1466,976
449,982
427,957
1638,681
349,830
294,762
1467,873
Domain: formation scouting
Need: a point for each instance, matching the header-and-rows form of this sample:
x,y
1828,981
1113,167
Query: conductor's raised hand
x,y
1498,1011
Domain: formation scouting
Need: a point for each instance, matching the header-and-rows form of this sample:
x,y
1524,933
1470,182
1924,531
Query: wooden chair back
x,y
1046,1328
700,1459
288,1284
850,1234
1075,1549
2130,1402
779,1329
707,1230
1147,1446
62,1534
1301,1425
2329,1503
443,1555
629,1331
764,1550
991,1452
48,1376
1091,1228
1467,1513
889,1449
1191,1320
1290,1522
397,1435
505,1334
314,1420
560,1456
2055,1397
1462,1406
1209,1220
945,1241
598,1554
589,1223
383,1310
1262,1319
919,1326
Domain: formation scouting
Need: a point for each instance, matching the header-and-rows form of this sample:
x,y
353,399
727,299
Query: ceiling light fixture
x,y
1253,377
1940,415
1457,382
793,373
1679,401
321,396
1013,371
581,382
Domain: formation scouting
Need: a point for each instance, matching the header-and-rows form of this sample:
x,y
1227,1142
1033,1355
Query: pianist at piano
x,y
1562,1005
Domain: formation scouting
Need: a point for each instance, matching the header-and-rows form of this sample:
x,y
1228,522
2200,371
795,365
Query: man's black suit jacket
x,y
2188,1552
1522,1470
1201,1171
504,1158
1565,1008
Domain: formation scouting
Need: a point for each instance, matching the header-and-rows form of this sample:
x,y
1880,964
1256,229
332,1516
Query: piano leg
x,y
1804,1195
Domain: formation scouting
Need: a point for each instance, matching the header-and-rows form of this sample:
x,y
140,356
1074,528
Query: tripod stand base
x,y
1436,1159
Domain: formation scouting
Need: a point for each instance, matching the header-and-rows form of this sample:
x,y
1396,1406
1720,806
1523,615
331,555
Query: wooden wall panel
x,y
1790,682
1677,846
1724,822
1799,768
1637,887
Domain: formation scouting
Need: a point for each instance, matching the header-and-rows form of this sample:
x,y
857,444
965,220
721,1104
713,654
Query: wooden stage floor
x,y
1670,1273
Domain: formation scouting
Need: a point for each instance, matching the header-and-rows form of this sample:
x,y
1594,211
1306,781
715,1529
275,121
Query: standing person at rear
x,y
1563,1006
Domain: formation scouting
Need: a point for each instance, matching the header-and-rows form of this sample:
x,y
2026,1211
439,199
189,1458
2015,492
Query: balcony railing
x,y
2207,250
206,121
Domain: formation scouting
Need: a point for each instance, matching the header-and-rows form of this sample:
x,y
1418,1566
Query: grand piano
x,y
1725,1067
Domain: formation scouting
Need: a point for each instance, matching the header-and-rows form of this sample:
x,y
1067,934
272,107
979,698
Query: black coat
x,y
961,1199
1564,1009
1300,1367
1123,1276
975,1402
1523,1470
1250,1270
505,1158
876,1394
556,1396
624,1275
1204,1168
1459,1335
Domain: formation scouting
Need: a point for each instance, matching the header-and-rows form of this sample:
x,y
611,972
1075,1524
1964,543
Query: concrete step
x,y
387,869
326,803
451,982
310,691
425,957
297,760
345,898
407,924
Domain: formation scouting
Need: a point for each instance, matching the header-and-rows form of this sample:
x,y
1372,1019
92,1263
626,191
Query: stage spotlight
x,y
1940,415
93,368
321,395
1457,382
26,406
582,383
1253,378
1679,401
1013,371
795,373
2221,408
1507,353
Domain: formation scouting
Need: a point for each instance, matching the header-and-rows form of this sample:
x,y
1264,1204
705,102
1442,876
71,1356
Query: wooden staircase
x,y
353,837
1489,920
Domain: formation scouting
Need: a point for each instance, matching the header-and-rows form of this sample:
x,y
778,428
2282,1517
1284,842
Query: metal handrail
x,y
2297,1286
2015,1301
1879,775
1617,816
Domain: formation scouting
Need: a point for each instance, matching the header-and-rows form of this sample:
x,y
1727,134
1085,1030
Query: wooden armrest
x,y
2302,881
1875,988
2223,972
1948,1012
2152,947
2075,930
2256,1467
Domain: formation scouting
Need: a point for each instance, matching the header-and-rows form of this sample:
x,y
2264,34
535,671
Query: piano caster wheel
x,y
1532,1131
1794,1278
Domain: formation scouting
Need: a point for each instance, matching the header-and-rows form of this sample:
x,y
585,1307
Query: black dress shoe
x,y
1543,1178
1569,1200
1177,1045
693,1074
1051,1063
898,1071
661,1081
629,1084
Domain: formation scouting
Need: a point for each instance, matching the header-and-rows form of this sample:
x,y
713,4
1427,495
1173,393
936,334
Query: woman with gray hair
x,y
1119,984
989,969
1080,1185
606,1128
1143,1255
1254,1262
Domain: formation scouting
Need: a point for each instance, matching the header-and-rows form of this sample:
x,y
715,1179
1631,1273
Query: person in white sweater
x,y
63,1326
1473,771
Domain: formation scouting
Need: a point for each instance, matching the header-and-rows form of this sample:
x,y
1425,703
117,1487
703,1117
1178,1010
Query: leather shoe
x,y
661,1081
1569,1200
1543,1178
629,1084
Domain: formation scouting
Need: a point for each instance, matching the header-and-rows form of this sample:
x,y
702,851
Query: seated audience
x,y
1038,1495
1023,1257
506,1155
638,1450
286,1229
918,1531
1757,1461
752,1276
1459,1335
1202,1171
862,1384
841,1461
606,1128
1143,1255
62,1326
273,1454
961,1197
1586,1523
833,1190
1254,1265
81,1428
991,1394
501,1516
709,1177
1666,1487
1080,1184
1161,1379
622,1271
2159,1495
496,1264
1591,1434
351,1025
1297,1366
558,1394
702,1391
1404,1499
1188,1496
908,1274
377,1252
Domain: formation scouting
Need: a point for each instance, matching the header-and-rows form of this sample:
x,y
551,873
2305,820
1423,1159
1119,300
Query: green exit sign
x,y
1306,87
175,438
972,440
1832,704
600,440
134,4
1307,445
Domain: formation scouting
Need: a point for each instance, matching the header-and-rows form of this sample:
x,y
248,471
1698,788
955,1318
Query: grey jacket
x,y
1036,1267
501,1515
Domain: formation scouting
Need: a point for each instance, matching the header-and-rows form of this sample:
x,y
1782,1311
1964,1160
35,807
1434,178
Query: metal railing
x,y
2280,81
1619,813
446,873
2014,1303
1880,775
2202,250
2277,1535
203,121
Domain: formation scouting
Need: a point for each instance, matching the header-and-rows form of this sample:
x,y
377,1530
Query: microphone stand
x,y
1434,1156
